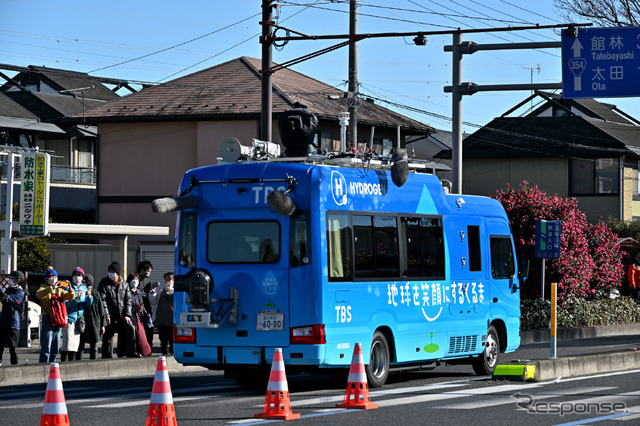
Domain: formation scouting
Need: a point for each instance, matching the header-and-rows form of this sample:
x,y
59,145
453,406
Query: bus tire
x,y
378,367
488,359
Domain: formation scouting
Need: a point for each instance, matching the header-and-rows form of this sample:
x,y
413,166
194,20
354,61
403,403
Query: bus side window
x,y
299,248
187,240
387,260
423,247
475,255
376,246
432,248
502,263
339,246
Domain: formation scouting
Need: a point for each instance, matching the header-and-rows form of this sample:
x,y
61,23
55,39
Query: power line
x,y
177,45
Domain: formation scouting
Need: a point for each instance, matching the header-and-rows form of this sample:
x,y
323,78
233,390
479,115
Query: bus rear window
x,y
243,242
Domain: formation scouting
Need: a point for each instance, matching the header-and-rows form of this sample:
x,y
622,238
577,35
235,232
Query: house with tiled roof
x,y
578,148
149,139
32,106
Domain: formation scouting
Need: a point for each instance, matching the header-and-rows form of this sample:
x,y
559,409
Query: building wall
x,y
148,160
486,175
599,207
628,187
483,176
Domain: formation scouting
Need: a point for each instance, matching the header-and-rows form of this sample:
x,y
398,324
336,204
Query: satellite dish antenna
x,y
231,150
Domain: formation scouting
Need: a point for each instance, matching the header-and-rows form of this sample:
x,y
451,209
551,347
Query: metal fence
x,y
68,174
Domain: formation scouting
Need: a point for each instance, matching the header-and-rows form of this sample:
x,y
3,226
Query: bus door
x,y
468,292
247,254
502,264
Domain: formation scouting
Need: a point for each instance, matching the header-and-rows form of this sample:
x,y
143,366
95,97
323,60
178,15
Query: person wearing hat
x,y
117,297
12,306
50,335
75,313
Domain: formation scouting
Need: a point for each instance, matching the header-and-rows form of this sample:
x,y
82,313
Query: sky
x,y
157,41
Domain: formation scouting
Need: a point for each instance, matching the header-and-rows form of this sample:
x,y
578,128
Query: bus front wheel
x,y
378,367
488,359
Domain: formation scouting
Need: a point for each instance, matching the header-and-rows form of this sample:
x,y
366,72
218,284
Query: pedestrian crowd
x,y
75,314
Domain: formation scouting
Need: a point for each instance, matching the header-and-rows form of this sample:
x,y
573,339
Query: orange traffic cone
x,y
277,404
161,410
54,412
357,393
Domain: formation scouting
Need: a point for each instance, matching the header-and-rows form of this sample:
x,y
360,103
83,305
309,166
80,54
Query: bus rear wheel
x,y
378,367
488,359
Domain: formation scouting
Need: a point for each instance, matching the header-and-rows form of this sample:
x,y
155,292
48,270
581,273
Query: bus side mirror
x,y
523,269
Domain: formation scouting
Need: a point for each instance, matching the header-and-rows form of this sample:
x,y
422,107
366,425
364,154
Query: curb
x,y
582,365
89,370
539,336
572,366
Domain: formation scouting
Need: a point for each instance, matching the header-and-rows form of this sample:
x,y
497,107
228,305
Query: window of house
x,y
85,153
636,181
60,151
382,146
326,140
594,176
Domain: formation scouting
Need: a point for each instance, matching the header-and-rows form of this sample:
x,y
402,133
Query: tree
x,y
590,263
605,13
33,254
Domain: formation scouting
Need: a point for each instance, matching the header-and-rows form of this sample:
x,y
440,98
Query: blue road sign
x,y
601,63
548,234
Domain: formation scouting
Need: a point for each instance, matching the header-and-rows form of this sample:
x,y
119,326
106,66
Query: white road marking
x,y
505,401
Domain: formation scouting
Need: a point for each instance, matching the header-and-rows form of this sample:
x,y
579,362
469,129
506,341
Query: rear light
x,y
308,335
184,335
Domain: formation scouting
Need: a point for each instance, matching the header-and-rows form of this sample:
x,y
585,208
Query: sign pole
x,y
542,283
554,309
6,241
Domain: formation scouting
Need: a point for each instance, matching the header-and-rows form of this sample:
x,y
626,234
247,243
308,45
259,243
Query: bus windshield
x,y
243,242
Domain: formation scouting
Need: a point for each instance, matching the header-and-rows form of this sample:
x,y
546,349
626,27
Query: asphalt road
x,y
444,396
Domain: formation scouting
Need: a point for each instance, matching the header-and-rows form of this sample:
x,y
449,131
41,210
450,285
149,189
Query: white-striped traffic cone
x,y
54,411
357,393
277,404
161,409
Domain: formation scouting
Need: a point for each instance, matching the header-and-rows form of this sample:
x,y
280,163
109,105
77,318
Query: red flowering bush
x,y
590,260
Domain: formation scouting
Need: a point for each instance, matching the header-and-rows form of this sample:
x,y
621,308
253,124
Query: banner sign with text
x,y
34,195
601,63
548,234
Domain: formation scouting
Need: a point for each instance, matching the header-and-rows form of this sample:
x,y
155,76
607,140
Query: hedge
x,y
578,312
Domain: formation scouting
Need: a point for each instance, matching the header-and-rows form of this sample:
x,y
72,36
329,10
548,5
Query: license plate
x,y
270,322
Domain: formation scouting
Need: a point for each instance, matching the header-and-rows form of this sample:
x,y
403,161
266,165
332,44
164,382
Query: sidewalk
x,y
29,371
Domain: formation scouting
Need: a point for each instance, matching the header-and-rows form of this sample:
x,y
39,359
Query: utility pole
x,y
456,113
353,75
267,41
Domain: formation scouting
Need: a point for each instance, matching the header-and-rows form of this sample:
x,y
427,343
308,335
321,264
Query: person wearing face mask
x,y
139,311
144,272
12,306
75,314
50,335
117,297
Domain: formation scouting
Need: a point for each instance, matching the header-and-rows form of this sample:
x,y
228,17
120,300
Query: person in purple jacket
x,y
12,297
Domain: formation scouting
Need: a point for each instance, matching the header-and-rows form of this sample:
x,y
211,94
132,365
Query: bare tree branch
x,y
605,13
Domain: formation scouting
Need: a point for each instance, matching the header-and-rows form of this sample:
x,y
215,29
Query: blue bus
x,y
312,256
